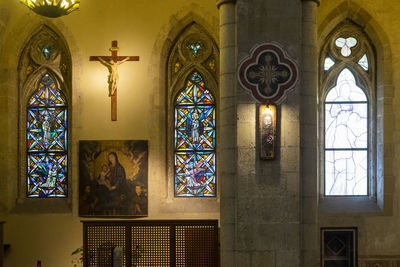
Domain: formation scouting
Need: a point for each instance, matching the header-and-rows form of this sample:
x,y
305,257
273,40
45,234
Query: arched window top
x,y
193,63
45,89
195,92
194,49
47,94
346,89
347,73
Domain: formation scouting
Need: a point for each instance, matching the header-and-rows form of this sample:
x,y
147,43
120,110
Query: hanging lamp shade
x,y
52,8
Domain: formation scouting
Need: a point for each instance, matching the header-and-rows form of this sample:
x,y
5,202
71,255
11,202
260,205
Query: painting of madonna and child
x,y
113,178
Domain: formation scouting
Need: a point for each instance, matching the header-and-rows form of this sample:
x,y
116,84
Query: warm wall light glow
x,y
52,8
267,131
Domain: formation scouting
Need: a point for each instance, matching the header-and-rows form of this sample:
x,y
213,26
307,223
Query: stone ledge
x,y
347,205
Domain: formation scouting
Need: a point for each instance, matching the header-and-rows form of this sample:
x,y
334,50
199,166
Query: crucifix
x,y
112,62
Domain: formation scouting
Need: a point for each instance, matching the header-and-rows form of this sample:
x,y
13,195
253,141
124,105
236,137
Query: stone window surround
x,y
373,202
27,85
176,80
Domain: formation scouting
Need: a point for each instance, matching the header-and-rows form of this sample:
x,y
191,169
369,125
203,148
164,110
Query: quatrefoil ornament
x,y
268,73
346,44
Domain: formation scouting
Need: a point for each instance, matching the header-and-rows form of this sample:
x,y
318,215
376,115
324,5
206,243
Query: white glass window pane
x,y
346,173
346,89
363,62
351,42
328,63
346,45
340,42
345,51
346,125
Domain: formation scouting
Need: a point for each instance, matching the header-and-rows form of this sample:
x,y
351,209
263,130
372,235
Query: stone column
x,y
227,151
308,135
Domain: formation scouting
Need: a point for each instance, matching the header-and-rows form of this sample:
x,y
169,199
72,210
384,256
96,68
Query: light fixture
x,y
52,8
267,131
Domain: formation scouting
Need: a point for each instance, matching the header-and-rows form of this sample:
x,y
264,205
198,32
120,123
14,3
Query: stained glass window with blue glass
x,y
195,173
47,141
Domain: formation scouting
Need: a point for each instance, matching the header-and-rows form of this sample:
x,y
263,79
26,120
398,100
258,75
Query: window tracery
x,y
44,82
192,82
348,102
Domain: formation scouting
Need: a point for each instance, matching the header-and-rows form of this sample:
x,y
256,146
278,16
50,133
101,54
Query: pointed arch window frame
x,y
367,80
33,64
181,61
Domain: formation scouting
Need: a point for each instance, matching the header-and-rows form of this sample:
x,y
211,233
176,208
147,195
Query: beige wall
x,y
143,28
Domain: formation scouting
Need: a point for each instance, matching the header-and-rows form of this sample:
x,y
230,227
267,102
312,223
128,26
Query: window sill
x,y
340,204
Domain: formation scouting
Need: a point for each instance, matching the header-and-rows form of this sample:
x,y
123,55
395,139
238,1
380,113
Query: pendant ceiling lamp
x,y
52,8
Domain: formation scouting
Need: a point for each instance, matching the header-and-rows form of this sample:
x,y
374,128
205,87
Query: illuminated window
x,y
195,139
347,80
346,138
44,91
192,84
47,141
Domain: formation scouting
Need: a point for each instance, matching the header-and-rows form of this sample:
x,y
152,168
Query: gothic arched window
x,y
45,85
348,97
192,86
47,141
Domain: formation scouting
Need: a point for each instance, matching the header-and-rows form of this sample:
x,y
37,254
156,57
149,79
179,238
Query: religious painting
x,y
113,178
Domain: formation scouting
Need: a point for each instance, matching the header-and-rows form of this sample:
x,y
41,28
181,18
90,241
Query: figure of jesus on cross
x,y
112,62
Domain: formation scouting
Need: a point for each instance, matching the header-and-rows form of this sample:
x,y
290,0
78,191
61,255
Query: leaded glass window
x,y
346,138
46,141
194,146
347,80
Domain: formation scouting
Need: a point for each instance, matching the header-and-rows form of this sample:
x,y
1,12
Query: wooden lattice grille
x,y
101,241
151,243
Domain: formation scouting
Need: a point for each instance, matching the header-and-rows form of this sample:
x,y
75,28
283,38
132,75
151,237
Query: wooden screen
x,y
151,243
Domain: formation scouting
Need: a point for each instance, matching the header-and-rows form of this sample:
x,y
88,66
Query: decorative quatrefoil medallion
x,y
268,73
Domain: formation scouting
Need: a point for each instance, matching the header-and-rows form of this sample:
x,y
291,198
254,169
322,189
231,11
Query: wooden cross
x,y
112,62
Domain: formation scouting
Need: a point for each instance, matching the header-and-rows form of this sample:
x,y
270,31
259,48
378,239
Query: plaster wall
x,y
143,28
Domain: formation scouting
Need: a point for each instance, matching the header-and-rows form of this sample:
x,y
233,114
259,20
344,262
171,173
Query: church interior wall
x,y
142,28
266,196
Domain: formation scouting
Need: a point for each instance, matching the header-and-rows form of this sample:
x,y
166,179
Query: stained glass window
x,y
47,141
346,138
194,146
